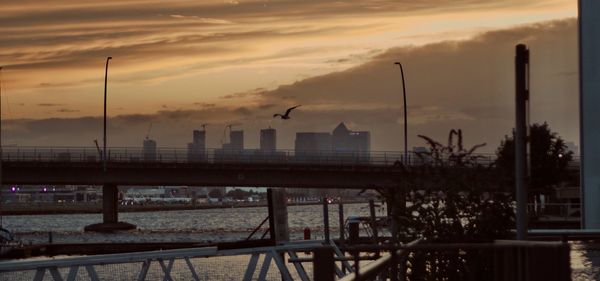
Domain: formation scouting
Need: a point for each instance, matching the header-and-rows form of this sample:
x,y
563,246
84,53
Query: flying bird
x,y
287,113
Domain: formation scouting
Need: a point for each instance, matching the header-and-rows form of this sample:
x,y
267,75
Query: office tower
x,y
268,140
149,150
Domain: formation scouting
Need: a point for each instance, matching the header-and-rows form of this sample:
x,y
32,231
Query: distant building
x,y
268,140
310,143
149,150
351,145
196,150
233,151
236,141
571,146
342,145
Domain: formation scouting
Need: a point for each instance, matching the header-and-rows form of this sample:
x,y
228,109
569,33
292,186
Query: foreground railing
x,y
262,263
314,260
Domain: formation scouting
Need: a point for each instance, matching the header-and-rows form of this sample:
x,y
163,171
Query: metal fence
x,y
283,262
314,260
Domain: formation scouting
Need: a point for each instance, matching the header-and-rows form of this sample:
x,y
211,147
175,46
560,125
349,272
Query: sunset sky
x,y
179,64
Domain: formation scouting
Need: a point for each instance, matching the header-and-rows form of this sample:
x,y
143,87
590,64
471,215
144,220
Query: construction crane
x,y
98,147
148,132
228,126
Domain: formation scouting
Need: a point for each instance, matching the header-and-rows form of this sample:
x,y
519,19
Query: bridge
x,y
212,167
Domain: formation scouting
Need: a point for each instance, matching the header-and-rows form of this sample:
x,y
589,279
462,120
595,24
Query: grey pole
x,y
104,136
521,100
1,211
589,102
405,114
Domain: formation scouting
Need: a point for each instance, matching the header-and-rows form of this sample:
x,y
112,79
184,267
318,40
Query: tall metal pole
x,y
521,169
104,137
1,211
405,114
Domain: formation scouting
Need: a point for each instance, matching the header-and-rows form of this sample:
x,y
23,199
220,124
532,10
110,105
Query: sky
x,y
180,64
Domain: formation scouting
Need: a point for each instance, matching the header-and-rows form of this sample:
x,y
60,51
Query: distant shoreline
x,y
61,209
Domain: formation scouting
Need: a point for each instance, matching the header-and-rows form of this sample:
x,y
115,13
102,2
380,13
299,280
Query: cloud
x,y
202,20
72,35
67,110
467,84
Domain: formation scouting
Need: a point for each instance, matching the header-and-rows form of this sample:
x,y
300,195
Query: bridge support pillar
x,y
110,212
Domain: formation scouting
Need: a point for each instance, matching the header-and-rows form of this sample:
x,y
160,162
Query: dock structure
x,y
316,260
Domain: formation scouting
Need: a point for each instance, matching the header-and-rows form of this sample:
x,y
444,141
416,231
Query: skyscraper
x,y
236,141
149,150
197,148
268,140
311,143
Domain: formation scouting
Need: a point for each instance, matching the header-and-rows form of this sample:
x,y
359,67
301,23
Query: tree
x,y
215,193
549,159
453,199
240,194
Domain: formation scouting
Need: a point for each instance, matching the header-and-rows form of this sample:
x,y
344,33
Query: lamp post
x,y
405,114
104,137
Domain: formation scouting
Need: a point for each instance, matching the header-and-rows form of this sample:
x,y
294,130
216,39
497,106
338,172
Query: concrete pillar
x,y
110,203
589,75
110,212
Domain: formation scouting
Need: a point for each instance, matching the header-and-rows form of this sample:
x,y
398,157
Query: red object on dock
x,y
307,233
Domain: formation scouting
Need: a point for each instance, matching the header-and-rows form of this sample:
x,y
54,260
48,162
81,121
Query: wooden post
x,y
373,220
323,264
278,216
341,222
326,219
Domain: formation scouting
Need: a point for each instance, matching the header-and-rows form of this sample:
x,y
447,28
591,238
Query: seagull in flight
x,y
287,113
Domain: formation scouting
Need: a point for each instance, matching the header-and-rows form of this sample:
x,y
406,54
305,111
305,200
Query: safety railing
x,y
263,263
251,156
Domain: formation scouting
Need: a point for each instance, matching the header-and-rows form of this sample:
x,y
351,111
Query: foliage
x,y
452,199
240,194
215,193
549,159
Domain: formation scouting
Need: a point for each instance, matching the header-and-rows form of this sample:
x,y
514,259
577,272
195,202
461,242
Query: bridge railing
x,y
179,155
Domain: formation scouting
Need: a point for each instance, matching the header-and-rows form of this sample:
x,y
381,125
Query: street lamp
x,y
105,82
405,114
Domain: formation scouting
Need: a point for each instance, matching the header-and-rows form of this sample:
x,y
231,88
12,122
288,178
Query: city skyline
x,y
163,73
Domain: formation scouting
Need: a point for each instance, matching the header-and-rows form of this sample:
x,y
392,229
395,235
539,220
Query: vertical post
x,y
373,220
110,199
1,211
341,220
278,217
521,103
405,115
104,135
323,264
589,102
326,219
